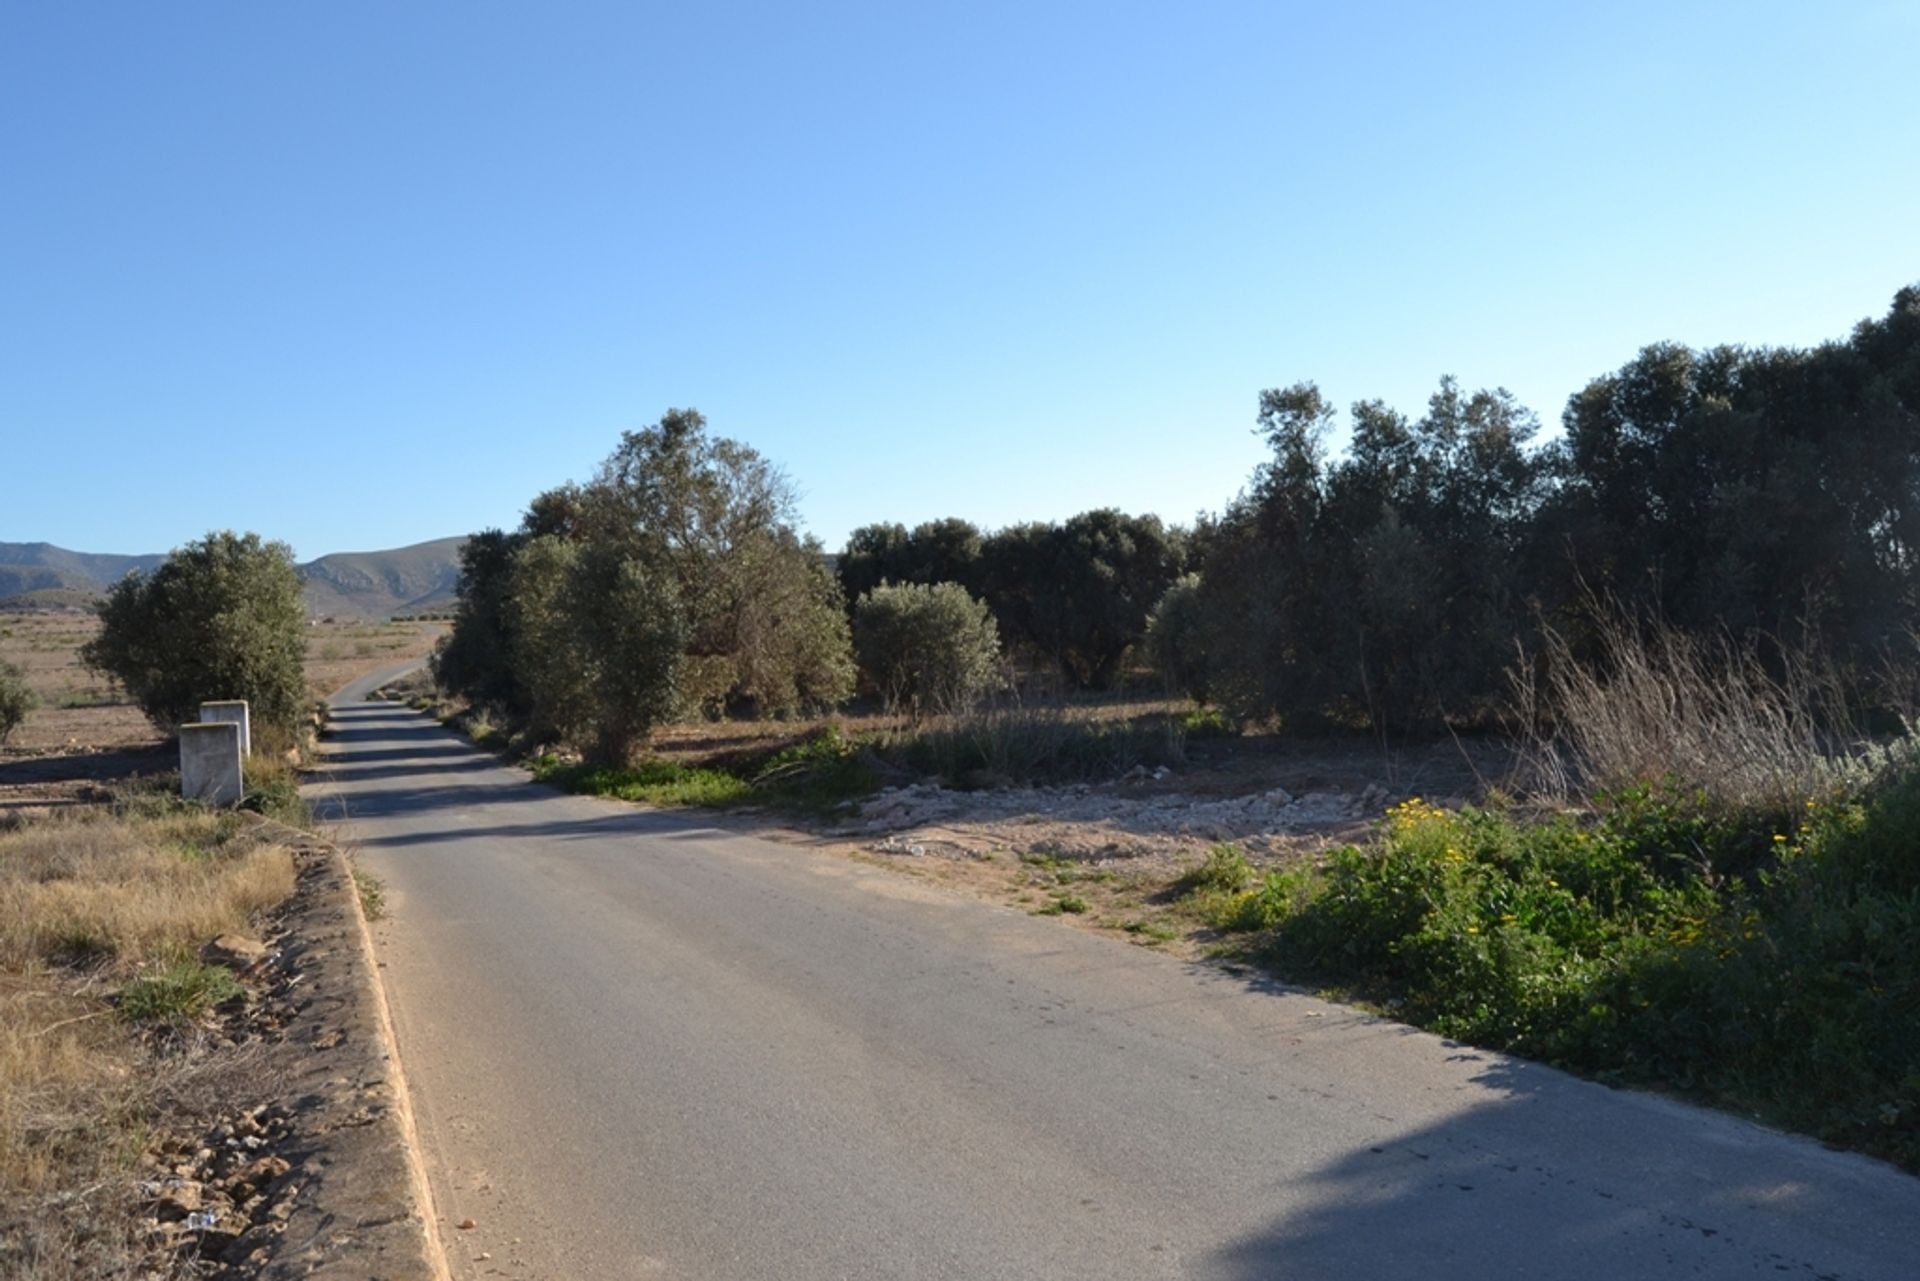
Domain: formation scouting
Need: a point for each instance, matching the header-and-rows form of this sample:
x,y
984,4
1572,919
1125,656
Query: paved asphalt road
x,y
640,1047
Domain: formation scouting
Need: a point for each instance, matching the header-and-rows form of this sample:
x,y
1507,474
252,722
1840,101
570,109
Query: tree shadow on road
x,y
1553,1177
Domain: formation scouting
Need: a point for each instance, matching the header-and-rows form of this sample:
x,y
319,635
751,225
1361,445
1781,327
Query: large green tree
x,y
936,551
1380,586
674,580
221,618
596,641
1078,594
765,624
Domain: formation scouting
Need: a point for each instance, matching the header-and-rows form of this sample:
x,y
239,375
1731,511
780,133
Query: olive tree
x,y
926,647
597,640
673,581
221,618
766,629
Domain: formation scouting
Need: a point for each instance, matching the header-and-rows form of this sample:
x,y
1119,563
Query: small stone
x,y
466,1225
179,1199
266,1170
235,951
256,1238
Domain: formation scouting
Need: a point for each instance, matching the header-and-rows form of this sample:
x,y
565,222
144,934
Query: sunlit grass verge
x,y
1763,966
146,883
103,911
819,773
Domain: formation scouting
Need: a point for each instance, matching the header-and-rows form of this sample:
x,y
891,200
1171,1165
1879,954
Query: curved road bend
x,y
640,1047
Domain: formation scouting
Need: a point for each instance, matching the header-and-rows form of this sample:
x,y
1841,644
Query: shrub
x,y
1225,871
1017,743
926,647
222,618
16,700
1654,702
1620,946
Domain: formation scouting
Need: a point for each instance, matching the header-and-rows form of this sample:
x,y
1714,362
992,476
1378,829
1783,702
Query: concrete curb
x,y
365,1208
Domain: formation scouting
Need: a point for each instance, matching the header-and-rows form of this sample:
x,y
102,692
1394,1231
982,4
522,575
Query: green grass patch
x,y
655,782
816,775
1067,904
273,789
177,993
1207,722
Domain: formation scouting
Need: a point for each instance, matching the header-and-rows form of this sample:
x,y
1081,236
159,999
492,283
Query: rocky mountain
x,y
403,580
406,580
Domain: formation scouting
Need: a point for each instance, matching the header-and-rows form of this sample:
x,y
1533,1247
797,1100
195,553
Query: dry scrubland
x,y
111,1026
105,1043
81,711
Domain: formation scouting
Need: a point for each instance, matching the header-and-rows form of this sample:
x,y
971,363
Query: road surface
x,y
641,1047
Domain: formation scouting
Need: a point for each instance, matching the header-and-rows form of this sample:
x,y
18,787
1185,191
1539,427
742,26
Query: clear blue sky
x,y
361,274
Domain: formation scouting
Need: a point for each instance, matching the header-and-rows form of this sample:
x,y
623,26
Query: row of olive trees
x,y
1763,492
1770,494
1073,596
676,582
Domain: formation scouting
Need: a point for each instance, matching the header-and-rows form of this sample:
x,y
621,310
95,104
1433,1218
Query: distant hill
x,y
404,580
27,567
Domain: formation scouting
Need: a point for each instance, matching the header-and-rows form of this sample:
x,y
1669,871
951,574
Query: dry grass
x,y
695,741
80,887
338,652
88,900
1656,703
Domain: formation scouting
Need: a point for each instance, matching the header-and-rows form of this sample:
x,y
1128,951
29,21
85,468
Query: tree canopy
x,y
221,618
675,580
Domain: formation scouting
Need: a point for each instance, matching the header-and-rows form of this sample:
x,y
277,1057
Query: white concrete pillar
x,y
210,763
234,710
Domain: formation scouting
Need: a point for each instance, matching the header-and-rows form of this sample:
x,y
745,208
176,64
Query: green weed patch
x,y
177,993
816,775
1760,964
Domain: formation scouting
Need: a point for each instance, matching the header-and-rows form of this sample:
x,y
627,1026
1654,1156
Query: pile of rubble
x,y
225,1196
